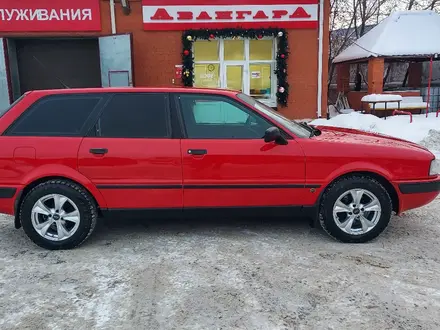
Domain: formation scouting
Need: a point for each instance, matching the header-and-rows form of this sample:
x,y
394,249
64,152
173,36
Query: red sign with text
x,y
218,14
49,15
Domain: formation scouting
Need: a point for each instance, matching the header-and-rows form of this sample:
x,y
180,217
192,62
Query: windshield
x,y
291,125
3,111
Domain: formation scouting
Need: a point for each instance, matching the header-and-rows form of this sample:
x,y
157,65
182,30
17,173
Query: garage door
x,y
58,63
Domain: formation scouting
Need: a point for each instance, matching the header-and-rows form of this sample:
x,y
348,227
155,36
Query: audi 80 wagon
x,y
69,157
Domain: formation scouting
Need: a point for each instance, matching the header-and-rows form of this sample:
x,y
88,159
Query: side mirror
x,y
273,134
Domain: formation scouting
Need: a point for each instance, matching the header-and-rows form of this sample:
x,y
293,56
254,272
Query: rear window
x,y
57,115
3,111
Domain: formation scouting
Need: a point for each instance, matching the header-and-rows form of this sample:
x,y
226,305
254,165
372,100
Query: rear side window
x,y
58,115
134,115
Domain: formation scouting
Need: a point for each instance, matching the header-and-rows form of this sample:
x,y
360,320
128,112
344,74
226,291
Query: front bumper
x,y
419,187
414,194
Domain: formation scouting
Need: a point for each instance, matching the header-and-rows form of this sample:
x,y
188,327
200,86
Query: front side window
x,y
240,64
134,115
291,125
57,115
216,117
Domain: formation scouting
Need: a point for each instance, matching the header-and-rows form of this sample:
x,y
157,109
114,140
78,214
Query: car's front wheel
x,y
58,214
355,209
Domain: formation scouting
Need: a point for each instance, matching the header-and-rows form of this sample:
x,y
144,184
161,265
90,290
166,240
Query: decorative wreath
x,y
190,36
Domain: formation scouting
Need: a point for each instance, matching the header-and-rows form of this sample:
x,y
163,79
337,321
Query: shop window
x,y
208,75
56,116
240,64
260,50
206,50
134,115
234,50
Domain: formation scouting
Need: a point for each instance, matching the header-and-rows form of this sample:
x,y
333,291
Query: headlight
x,y
435,167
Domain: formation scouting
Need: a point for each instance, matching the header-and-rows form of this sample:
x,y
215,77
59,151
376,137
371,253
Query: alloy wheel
x,y
357,211
55,217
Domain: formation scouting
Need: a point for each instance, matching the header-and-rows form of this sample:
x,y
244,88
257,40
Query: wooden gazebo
x,y
408,36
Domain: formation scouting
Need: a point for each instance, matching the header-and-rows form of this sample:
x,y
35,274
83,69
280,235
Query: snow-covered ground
x,y
225,274
424,131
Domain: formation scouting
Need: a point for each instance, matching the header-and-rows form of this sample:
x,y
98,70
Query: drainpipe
x,y
320,55
112,16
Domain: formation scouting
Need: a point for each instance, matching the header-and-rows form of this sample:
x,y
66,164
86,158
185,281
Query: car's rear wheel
x,y
355,209
58,214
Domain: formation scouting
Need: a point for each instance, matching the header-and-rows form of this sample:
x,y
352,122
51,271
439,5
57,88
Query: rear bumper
x,y
414,194
8,196
7,192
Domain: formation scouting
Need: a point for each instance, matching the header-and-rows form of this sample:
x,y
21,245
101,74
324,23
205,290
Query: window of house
x,y
134,115
240,64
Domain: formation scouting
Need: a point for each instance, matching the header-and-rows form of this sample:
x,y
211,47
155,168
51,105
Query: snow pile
x,y
381,97
334,112
432,142
424,131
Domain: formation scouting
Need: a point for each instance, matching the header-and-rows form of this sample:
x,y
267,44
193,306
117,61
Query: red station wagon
x,y
70,156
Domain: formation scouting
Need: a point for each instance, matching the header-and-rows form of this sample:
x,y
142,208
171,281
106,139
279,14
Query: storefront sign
x,y
49,15
218,14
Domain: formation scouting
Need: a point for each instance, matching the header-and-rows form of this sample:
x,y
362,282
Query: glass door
x,y
260,80
233,77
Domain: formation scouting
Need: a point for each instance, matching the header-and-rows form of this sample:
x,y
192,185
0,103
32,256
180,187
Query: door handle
x,y
197,152
98,151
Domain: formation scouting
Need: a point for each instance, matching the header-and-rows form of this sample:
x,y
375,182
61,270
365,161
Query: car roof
x,y
226,92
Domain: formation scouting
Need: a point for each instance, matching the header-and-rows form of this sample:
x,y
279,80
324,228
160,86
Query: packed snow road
x,y
231,274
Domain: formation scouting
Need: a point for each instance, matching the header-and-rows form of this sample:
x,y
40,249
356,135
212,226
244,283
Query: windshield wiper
x,y
313,131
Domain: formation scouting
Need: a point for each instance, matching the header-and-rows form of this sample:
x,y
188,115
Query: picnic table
x,y
382,102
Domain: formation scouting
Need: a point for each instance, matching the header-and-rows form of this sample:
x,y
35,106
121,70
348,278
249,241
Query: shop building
x,y
274,50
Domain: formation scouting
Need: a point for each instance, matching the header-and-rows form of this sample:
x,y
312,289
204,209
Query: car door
x,y
130,154
226,162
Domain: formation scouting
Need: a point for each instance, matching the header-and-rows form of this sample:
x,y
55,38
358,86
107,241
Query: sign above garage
x,y
49,15
219,14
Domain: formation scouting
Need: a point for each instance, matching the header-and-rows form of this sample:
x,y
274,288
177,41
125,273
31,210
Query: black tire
x,y
84,202
337,189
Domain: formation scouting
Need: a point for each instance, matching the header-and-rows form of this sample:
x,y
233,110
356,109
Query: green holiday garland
x,y
190,36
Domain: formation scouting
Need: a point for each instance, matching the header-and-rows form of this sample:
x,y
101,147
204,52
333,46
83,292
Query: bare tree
x,y
339,38
433,5
348,22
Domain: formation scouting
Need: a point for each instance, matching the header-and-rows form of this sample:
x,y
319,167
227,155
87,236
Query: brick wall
x,y
156,53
